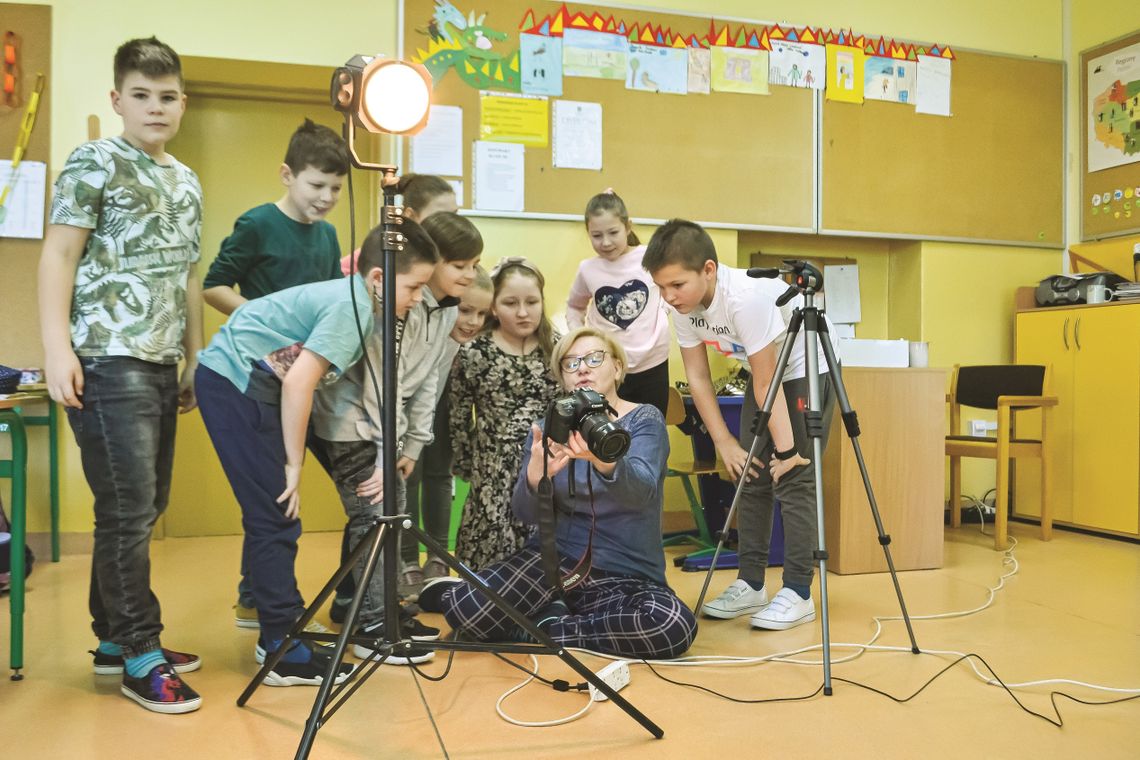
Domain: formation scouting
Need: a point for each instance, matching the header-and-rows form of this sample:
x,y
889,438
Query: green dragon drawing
x,y
469,49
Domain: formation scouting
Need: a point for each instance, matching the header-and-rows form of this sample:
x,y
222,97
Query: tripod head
x,y
807,278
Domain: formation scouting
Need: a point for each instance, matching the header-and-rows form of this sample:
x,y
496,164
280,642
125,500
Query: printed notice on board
x,y
438,149
523,119
498,176
933,86
577,135
24,207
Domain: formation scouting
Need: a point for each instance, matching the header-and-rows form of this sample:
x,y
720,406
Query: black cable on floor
x,y
1058,721
427,709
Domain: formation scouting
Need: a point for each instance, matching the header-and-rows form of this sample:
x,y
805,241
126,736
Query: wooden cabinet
x,y
901,417
1094,352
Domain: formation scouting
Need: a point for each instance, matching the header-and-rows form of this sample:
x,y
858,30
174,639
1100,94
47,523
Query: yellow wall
x,y
85,37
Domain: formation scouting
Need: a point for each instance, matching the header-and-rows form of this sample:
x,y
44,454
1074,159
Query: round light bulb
x,y
396,97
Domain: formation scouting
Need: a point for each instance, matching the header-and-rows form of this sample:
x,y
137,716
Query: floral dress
x,y
495,396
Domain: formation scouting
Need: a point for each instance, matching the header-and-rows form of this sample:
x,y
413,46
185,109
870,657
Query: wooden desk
x,y
902,420
14,422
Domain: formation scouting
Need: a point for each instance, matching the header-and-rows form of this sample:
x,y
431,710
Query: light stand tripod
x,y
808,281
383,538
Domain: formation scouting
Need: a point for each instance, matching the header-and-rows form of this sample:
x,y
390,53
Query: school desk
x,y
14,422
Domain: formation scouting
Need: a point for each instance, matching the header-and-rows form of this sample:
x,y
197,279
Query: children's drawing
x,y
796,64
469,46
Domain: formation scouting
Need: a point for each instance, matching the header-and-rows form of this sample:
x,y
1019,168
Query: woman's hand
x,y
373,488
291,496
559,458
735,457
579,449
781,467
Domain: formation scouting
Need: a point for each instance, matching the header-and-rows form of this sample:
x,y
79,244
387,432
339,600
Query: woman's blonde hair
x,y
613,348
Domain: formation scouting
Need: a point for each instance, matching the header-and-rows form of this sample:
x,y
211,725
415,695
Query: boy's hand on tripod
x,y
781,467
373,488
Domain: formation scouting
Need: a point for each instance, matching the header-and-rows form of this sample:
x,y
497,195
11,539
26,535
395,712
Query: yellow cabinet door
x,y
1106,418
1046,337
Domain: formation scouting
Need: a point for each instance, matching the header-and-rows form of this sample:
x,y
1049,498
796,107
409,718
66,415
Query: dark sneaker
x,y
161,690
413,654
410,582
338,610
413,629
431,597
311,673
435,568
112,664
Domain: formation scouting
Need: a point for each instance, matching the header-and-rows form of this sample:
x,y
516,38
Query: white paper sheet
x,y
841,284
577,135
457,186
498,176
25,204
439,148
933,86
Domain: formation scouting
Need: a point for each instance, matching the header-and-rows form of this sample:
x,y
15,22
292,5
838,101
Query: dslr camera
x,y
588,412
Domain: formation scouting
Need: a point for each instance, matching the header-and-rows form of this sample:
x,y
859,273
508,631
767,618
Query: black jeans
x,y
125,433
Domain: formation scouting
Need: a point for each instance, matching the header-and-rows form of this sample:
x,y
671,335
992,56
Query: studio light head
x,y
381,94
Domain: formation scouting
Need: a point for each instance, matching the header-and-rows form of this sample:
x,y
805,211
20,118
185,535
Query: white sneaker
x,y
787,610
736,600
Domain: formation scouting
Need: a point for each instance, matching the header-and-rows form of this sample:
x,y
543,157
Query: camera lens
x,y
607,441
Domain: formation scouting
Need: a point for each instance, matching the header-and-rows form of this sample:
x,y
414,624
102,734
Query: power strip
x,y
615,675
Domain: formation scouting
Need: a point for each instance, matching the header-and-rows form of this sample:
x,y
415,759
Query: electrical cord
x,y
533,675
992,679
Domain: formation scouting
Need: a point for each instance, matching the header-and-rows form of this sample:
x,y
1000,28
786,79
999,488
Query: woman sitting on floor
x,y
623,605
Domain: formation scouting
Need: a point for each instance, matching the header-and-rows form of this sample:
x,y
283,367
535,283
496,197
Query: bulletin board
x,y
19,258
1119,212
993,171
727,159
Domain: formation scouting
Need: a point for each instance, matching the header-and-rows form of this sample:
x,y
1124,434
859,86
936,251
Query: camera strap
x,y
547,530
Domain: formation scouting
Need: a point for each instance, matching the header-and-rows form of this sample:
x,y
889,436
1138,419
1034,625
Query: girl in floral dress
x,y
502,384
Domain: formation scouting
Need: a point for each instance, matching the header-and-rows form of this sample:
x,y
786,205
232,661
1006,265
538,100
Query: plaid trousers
x,y
618,615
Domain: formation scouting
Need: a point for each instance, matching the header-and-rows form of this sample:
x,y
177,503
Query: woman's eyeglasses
x,y
593,360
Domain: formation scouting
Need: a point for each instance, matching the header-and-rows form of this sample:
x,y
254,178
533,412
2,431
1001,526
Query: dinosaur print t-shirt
x,y
146,222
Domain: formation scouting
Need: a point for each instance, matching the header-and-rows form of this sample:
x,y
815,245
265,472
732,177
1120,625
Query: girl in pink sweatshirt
x,y
613,293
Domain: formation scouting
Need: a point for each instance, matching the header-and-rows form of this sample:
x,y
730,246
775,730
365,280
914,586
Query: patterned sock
x,y
111,648
803,591
137,667
298,654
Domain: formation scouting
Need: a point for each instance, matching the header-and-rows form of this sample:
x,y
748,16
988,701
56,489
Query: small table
x,y
14,422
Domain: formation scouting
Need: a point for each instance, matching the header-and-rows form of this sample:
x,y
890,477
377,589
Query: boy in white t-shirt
x,y
721,307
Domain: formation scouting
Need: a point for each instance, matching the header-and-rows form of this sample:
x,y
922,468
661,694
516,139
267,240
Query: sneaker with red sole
x,y
161,690
112,664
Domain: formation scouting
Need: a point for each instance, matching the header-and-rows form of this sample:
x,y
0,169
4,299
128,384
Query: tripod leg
x,y
372,543
851,425
815,432
761,428
539,635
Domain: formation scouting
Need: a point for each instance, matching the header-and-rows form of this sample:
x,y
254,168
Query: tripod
x,y
808,281
382,539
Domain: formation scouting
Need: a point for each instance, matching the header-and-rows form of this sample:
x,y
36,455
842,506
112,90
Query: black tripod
x,y
808,281
383,539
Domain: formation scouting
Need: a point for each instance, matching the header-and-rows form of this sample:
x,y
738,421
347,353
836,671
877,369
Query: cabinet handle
x,y
1065,333
1077,333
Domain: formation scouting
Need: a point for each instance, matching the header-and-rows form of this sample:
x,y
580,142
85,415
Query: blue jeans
x,y
247,437
125,433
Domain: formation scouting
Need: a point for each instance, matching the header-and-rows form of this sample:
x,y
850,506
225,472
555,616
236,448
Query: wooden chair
x,y
1006,389
686,469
